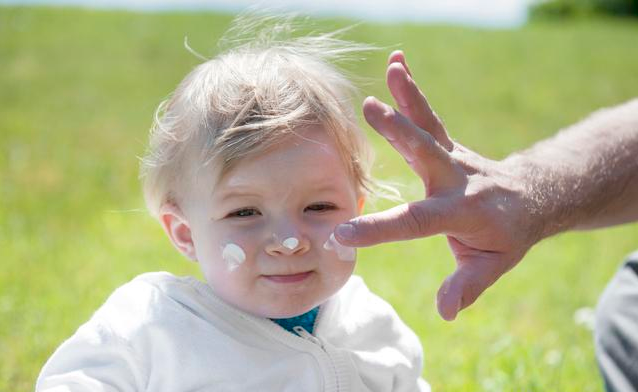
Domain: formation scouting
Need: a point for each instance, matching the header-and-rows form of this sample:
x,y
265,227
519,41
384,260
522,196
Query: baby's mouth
x,y
289,278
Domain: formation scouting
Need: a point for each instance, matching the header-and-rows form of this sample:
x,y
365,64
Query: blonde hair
x,y
250,97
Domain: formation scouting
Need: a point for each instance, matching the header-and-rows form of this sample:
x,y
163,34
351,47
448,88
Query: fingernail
x,y
345,231
401,100
458,308
374,116
388,113
387,109
452,315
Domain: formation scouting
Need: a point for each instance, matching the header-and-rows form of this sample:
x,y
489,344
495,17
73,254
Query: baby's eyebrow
x,y
317,184
326,188
230,194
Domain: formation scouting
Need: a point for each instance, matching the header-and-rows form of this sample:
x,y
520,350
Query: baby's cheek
x,y
319,232
233,256
336,271
237,254
226,269
343,253
237,249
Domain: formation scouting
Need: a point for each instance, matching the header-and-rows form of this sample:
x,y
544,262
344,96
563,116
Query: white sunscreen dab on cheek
x,y
233,255
344,253
290,243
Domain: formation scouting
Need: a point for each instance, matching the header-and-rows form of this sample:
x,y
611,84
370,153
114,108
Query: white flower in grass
x,y
553,357
585,317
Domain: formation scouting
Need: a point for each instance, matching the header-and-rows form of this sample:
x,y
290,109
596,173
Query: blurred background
x,y
80,80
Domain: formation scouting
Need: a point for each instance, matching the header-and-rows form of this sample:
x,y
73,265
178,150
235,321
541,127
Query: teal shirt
x,y
306,321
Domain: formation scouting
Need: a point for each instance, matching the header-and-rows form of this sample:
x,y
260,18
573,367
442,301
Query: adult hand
x,y
479,204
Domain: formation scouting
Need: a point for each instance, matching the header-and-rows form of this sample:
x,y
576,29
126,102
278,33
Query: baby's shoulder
x,y
143,292
148,299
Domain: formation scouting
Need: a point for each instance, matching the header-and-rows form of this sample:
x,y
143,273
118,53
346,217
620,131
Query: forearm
x,y
586,176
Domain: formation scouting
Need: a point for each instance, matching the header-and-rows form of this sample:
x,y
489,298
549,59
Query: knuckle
x,y
373,229
416,221
370,229
474,198
423,142
482,194
419,140
377,232
480,202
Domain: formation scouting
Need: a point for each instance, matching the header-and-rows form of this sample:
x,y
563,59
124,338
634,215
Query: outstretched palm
x,y
478,203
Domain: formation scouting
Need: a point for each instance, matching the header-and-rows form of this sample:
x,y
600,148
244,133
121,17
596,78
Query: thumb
x,y
403,222
465,285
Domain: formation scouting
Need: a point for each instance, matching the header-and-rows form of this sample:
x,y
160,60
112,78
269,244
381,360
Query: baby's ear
x,y
360,203
178,229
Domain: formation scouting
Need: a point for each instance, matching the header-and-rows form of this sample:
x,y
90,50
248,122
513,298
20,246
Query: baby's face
x,y
259,232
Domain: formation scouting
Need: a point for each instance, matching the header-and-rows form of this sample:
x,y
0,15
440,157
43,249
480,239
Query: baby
x,y
252,163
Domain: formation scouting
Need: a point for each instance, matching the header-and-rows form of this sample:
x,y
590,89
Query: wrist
x,y
544,206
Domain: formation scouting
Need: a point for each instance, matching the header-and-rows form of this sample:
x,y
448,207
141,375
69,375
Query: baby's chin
x,y
291,308
269,302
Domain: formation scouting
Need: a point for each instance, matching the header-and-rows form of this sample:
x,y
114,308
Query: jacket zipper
x,y
301,331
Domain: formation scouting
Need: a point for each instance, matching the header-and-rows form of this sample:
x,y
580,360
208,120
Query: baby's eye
x,y
321,207
244,213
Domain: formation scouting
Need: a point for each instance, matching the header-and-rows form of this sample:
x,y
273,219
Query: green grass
x,y
77,92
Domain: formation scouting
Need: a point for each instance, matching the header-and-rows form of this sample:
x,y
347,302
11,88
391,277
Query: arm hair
x,y
586,176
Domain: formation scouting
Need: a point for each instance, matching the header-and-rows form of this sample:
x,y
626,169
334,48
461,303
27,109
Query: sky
x,y
483,13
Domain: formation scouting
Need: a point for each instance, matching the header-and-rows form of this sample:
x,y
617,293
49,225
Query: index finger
x,y
403,222
424,154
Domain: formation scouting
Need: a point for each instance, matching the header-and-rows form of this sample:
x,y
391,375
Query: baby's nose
x,y
288,245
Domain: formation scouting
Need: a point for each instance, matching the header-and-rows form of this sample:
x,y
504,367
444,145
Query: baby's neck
x,y
306,321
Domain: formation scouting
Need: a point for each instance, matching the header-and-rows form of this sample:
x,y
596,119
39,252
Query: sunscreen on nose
x,y
290,243
233,255
344,253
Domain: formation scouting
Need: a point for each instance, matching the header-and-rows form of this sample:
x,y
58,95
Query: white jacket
x,y
160,332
